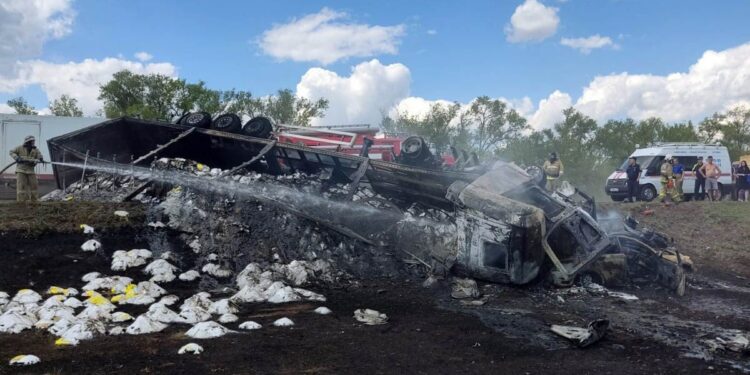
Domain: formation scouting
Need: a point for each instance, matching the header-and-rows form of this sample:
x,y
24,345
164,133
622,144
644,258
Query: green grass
x,y
66,217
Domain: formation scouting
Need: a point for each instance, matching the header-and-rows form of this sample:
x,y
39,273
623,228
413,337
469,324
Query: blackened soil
x,y
420,337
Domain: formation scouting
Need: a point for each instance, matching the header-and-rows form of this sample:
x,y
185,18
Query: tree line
x,y
590,150
164,98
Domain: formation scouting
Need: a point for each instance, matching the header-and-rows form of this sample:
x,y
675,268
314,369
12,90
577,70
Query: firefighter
x,y
553,169
668,181
678,171
26,156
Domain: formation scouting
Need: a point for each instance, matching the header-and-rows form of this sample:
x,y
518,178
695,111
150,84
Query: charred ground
x,y
428,332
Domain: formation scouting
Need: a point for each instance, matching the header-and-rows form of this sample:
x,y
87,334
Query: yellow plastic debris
x,y
91,293
130,290
58,290
199,167
62,341
117,298
98,300
68,198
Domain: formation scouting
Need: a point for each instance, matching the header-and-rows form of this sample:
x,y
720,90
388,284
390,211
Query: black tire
x,y
617,198
648,193
228,122
179,120
413,148
197,119
259,127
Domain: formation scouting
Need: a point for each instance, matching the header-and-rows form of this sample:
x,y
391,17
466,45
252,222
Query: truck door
x,y
13,133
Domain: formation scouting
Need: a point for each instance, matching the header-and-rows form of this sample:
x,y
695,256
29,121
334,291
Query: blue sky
x,y
452,50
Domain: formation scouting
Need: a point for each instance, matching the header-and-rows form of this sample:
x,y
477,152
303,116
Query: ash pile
x,y
227,230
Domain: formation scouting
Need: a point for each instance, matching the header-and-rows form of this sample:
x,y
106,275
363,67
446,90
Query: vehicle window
x,y
643,161
652,168
687,161
495,255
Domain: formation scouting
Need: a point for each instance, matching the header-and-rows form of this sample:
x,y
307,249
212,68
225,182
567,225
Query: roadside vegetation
x,y
712,234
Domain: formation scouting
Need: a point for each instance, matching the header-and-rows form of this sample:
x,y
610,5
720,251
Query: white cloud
x,y
532,22
80,80
323,38
716,80
370,90
25,25
550,110
143,56
415,106
432,32
4,108
585,45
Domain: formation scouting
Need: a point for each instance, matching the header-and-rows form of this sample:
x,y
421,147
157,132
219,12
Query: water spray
x,y
363,222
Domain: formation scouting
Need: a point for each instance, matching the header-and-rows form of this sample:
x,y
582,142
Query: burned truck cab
x,y
509,229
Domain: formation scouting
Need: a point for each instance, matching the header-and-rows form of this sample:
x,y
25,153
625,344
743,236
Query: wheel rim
x,y
194,118
223,122
412,146
648,194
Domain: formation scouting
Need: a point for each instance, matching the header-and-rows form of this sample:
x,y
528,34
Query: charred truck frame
x,y
504,227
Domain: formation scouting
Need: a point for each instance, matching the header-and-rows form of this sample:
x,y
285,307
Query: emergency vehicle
x,y
650,159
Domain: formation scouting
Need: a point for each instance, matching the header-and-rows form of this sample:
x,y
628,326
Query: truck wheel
x,y
648,193
228,122
197,119
412,147
617,198
259,127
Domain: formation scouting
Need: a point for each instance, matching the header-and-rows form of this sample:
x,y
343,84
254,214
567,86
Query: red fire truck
x,y
350,139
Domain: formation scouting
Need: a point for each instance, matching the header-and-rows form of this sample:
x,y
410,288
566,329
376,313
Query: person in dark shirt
x,y
743,185
699,191
634,175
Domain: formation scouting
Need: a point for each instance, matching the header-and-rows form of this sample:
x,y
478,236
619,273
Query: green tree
x,y
65,106
680,132
155,96
493,123
287,108
731,129
21,107
159,97
435,126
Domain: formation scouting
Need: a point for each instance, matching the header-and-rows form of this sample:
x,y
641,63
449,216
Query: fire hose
x,y
6,167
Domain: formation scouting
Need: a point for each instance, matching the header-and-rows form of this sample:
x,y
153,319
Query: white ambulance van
x,y
650,160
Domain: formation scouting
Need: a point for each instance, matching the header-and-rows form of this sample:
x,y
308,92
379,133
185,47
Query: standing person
x,y
678,170
712,173
743,181
699,191
553,169
26,156
634,175
667,181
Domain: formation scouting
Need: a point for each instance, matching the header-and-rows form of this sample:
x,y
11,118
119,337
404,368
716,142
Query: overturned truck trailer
x,y
502,226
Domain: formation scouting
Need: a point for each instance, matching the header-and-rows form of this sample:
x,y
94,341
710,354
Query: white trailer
x,y
14,128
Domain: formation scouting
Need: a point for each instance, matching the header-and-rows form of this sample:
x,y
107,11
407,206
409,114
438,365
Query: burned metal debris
x,y
491,222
